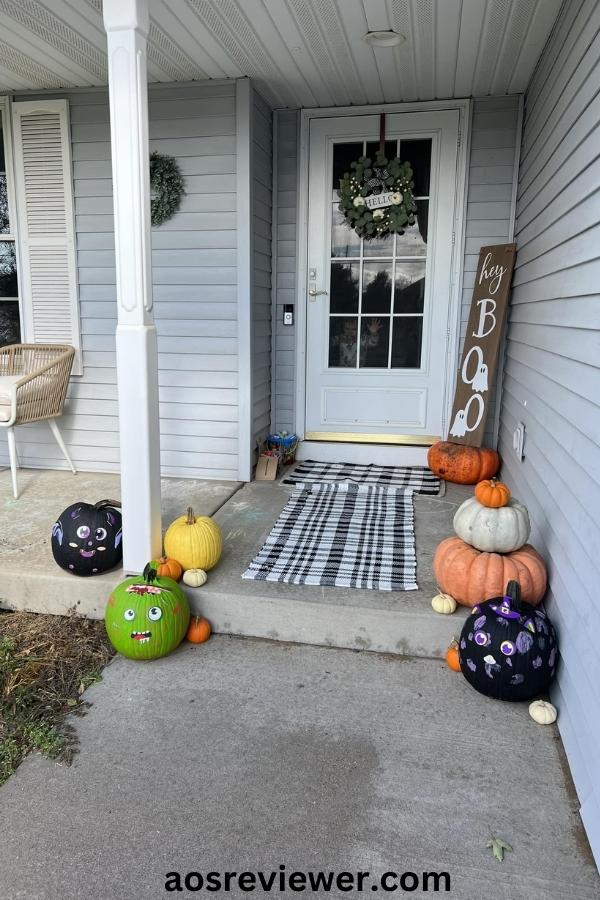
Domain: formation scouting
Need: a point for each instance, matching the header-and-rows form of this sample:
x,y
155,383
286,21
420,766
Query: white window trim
x,y
12,235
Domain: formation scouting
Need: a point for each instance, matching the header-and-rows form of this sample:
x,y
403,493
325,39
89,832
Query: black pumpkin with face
x,y
508,648
86,538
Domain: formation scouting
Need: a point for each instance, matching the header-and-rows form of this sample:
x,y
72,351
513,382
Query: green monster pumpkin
x,y
147,616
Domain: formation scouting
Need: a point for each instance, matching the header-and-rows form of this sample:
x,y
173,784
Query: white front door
x,y
378,310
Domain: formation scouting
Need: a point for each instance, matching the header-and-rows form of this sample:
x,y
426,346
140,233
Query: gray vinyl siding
x,y
261,249
195,294
552,375
491,178
491,175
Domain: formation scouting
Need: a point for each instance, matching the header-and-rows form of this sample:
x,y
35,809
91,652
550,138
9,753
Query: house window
x,y
10,328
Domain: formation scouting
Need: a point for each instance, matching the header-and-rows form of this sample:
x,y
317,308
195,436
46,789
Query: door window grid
x,y
391,148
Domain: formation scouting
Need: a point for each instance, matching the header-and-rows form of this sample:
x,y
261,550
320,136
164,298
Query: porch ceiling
x,y
300,52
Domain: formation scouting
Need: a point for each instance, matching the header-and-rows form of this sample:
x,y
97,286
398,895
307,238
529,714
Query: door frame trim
x,y
464,108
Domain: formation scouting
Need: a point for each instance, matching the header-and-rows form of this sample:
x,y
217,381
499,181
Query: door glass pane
x,y
379,246
406,342
374,342
343,332
377,287
423,217
418,154
391,148
411,243
344,287
344,240
409,290
343,155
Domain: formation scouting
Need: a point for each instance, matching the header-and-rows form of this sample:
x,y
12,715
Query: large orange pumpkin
x,y
460,464
472,576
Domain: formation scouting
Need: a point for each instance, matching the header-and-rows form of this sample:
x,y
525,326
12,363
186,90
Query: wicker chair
x,y
33,385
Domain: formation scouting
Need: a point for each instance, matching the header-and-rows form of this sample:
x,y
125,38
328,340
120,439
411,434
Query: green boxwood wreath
x,y
368,177
167,187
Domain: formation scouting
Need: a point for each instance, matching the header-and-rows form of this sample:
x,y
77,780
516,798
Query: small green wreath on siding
x,y
167,187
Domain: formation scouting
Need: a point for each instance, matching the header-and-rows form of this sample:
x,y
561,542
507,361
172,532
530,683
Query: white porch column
x,y
126,24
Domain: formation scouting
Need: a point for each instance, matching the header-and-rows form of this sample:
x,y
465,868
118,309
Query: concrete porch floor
x,y
394,622
244,755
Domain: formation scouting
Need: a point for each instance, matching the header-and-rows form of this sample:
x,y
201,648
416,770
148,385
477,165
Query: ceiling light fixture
x,y
383,38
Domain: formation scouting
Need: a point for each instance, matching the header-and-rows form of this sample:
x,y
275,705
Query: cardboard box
x,y
267,468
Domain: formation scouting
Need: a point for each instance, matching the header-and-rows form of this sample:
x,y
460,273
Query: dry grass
x,y
46,663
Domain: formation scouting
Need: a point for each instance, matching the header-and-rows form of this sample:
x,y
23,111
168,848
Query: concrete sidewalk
x,y
244,755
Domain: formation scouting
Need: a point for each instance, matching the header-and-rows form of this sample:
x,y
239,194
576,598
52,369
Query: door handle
x,y
314,293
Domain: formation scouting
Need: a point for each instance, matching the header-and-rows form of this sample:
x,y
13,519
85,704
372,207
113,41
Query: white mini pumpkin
x,y
194,577
542,712
444,604
499,530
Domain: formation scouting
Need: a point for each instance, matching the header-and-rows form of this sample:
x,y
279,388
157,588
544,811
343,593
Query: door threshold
x,y
379,454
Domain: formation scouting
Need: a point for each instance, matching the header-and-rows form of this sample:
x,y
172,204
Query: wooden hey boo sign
x,y
482,344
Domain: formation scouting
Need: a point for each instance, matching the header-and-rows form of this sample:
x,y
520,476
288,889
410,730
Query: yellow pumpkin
x,y
194,541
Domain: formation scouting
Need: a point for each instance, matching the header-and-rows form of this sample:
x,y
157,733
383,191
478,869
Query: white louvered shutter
x,y
46,230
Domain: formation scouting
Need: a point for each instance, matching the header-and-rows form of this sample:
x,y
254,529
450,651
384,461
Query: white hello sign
x,y
482,344
378,201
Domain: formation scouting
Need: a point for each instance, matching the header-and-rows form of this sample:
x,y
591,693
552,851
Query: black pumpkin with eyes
x,y
87,538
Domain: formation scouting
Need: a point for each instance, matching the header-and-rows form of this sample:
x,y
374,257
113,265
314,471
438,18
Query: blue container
x,y
285,443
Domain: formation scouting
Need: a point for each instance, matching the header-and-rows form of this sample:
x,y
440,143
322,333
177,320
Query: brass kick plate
x,y
414,440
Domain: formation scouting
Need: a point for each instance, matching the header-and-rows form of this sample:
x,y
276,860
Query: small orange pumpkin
x,y
492,493
199,630
452,658
167,568
461,464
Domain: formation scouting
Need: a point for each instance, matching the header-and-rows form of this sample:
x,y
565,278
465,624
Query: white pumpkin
x,y
444,604
542,712
194,577
499,530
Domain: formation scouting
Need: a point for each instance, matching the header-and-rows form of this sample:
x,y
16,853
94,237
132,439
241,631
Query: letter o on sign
x,y
477,399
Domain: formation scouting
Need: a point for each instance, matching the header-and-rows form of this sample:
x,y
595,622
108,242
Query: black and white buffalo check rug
x,y
342,535
415,478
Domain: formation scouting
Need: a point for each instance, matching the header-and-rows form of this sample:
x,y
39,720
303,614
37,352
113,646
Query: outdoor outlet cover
x,y
519,440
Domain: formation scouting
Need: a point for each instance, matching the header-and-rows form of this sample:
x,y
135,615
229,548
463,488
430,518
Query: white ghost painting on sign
x,y
480,379
459,426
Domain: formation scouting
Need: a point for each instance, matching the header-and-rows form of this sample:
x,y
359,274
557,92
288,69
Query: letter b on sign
x,y
487,308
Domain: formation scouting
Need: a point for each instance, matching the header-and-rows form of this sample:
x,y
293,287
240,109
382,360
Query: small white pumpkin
x,y
194,577
542,712
500,530
444,604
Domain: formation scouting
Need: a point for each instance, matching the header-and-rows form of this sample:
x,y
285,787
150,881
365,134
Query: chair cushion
x,y
6,383
4,413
